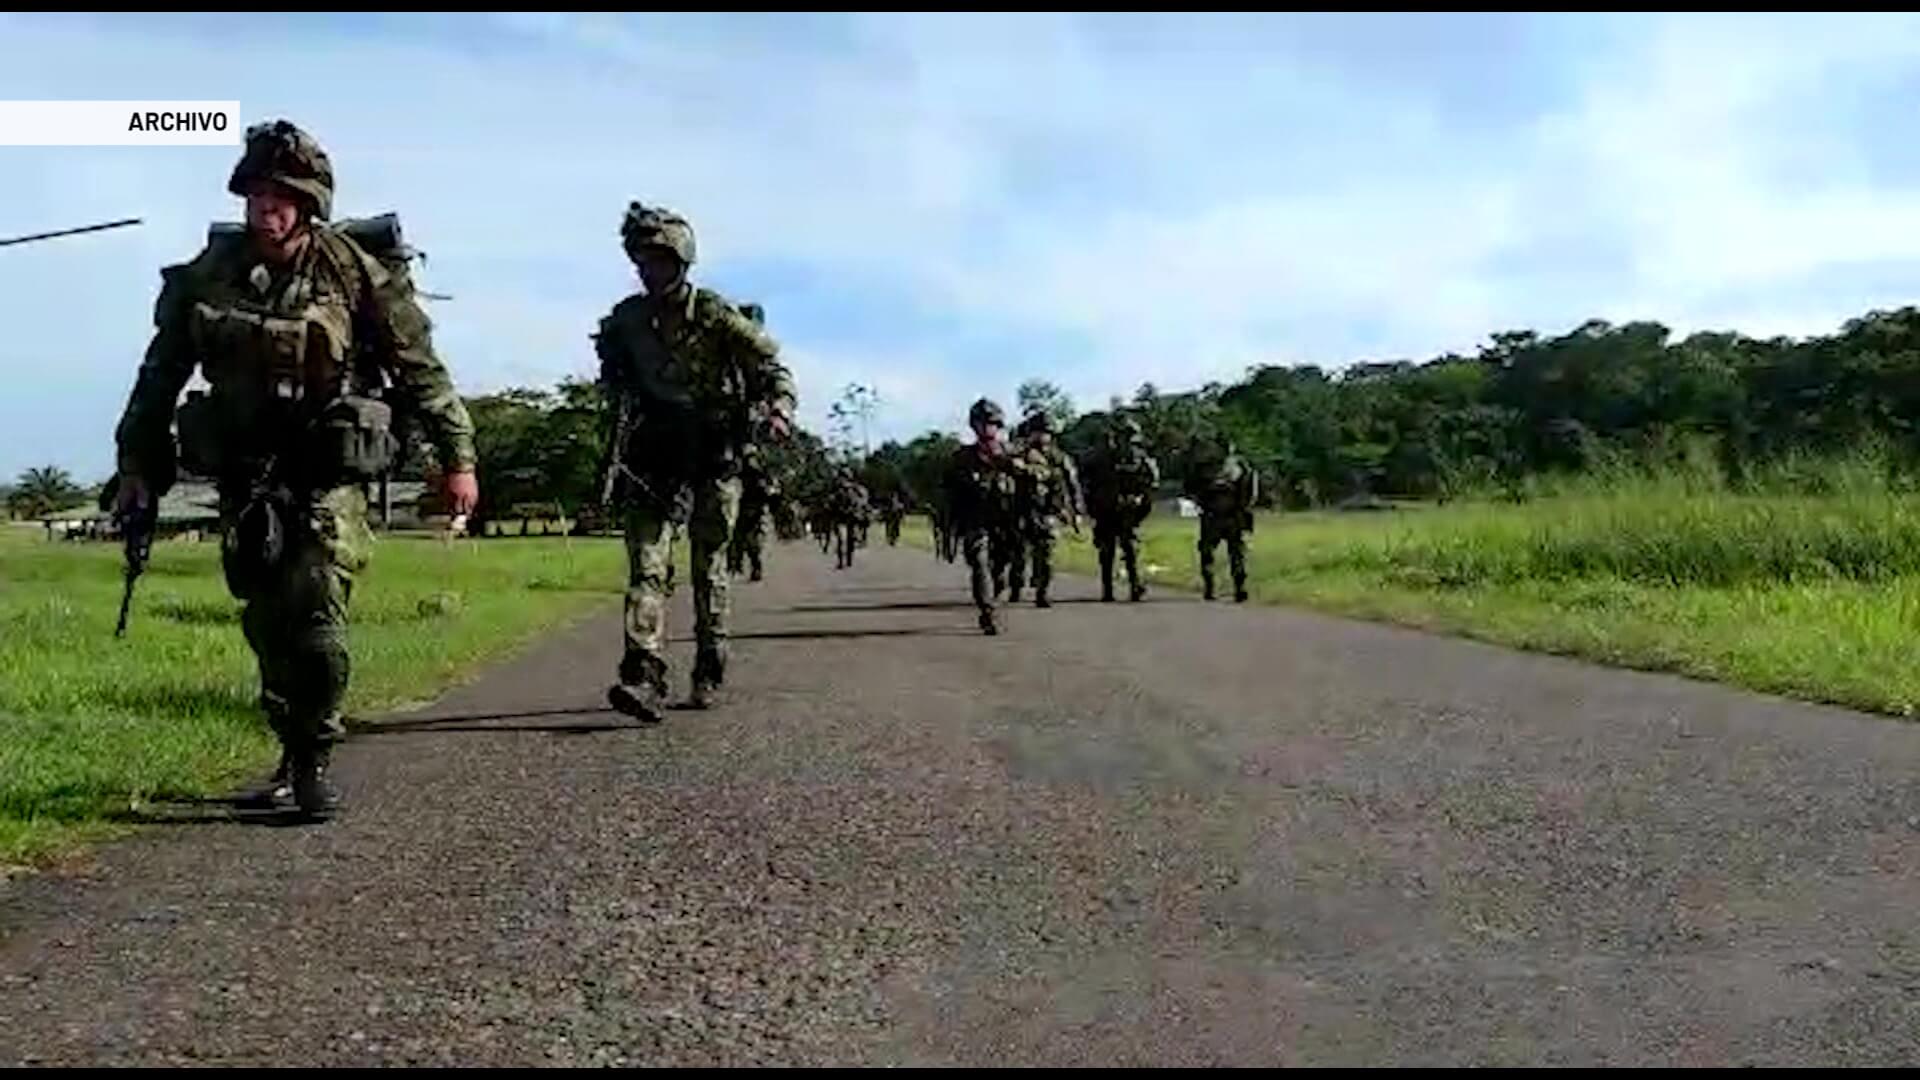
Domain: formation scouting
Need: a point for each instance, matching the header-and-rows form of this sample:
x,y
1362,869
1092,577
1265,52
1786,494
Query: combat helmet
x,y
653,226
754,312
280,152
1125,429
1037,423
985,411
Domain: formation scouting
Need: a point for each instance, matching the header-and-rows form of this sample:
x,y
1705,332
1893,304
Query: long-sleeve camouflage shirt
x,y
700,373
324,316
980,488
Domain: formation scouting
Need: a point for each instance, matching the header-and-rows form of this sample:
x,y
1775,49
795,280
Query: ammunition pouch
x,y
203,442
351,441
253,548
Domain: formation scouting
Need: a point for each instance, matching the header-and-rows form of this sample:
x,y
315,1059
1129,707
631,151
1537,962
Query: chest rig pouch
x,y
281,390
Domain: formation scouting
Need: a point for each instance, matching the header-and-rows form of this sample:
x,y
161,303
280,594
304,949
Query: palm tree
x,y
43,490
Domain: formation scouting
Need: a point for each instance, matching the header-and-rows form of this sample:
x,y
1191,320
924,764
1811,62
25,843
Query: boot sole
x,y
625,703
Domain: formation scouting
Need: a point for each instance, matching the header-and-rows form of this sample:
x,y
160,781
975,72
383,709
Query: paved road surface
x,y
1166,833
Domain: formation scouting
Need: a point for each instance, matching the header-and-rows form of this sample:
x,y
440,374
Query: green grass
x,y
1809,595
90,725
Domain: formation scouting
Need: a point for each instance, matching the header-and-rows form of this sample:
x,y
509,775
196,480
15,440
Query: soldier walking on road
x,y
893,511
980,483
1048,491
758,489
848,505
1225,487
1121,478
688,373
295,327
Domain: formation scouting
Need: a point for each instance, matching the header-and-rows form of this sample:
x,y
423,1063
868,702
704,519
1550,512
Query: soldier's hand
x,y
133,496
463,492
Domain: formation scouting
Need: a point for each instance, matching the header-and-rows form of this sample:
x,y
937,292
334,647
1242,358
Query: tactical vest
x,y
985,490
1041,491
281,362
691,412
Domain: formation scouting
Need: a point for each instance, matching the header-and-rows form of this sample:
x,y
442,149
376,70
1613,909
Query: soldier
x,y
820,519
980,483
294,327
939,521
757,491
1049,491
689,374
1225,487
849,510
1120,480
893,511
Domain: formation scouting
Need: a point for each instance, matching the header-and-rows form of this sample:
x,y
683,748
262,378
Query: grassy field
x,y
90,726
1811,590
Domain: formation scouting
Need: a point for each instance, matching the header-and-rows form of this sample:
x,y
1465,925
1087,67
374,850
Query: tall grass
x,y
1795,521
1799,577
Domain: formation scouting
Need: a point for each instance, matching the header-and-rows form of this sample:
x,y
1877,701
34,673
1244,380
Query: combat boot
x,y
1206,586
275,790
1040,599
988,624
638,700
1239,594
313,796
709,674
1138,593
642,689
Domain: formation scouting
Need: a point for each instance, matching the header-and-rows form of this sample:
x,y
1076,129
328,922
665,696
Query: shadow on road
x,y
478,722
807,635
216,811
900,605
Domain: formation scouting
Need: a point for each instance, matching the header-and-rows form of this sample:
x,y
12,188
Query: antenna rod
x,y
70,232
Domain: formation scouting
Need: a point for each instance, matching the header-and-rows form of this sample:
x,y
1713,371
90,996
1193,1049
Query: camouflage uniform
x,y
691,370
893,510
1120,479
1225,487
850,511
281,346
1049,490
980,492
757,492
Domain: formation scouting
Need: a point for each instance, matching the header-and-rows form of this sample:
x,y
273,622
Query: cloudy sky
x,y
942,206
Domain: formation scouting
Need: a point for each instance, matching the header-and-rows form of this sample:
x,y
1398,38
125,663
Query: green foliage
x,y
42,491
93,725
540,446
1040,395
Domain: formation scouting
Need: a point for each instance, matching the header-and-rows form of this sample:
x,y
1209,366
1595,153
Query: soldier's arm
x,y
1076,495
403,338
612,356
144,437
769,383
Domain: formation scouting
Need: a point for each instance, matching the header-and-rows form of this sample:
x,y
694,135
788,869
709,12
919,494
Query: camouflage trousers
x,y
849,534
296,620
1215,528
1032,546
749,538
988,552
650,536
1121,532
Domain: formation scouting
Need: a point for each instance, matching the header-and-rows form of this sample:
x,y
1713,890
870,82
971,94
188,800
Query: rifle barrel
x,y
69,232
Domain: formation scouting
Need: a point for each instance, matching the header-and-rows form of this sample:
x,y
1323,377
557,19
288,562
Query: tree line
x,y
1523,405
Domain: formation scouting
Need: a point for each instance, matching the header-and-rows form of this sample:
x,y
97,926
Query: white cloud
x,y
1110,201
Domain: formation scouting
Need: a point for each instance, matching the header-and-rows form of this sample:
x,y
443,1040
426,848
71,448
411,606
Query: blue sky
x,y
941,206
